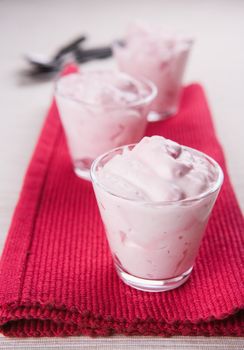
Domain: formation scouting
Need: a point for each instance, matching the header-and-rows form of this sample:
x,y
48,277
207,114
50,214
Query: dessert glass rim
x,y
213,188
153,91
187,41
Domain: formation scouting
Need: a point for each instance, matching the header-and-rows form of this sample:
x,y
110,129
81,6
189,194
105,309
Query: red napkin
x,y
56,272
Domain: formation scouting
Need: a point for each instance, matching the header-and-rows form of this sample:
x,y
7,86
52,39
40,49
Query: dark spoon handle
x,y
69,47
90,54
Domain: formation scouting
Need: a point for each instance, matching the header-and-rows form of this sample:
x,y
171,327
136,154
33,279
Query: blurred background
x,y
26,26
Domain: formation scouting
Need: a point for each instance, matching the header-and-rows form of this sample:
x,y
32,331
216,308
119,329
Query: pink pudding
x,y
160,57
100,110
155,199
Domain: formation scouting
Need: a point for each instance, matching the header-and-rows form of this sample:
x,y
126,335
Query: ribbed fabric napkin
x,y
56,272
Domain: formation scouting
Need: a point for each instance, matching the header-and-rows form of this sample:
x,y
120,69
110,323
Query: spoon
x,y
43,63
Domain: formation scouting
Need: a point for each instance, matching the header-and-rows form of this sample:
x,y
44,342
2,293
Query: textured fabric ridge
x,y
57,275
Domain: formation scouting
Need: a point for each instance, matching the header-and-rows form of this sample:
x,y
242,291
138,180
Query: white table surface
x,y
217,62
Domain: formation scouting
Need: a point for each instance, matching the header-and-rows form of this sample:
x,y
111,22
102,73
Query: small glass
x,y
154,244
162,59
94,128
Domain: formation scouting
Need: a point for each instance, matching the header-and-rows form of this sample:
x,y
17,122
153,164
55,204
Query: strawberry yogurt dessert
x,y
155,199
100,110
160,57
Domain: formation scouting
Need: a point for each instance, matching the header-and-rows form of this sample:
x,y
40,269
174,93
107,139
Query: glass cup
x,y
94,128
154,244
142,57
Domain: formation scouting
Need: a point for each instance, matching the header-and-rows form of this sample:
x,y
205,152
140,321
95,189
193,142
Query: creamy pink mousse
x,y
100,110
158,56
144,194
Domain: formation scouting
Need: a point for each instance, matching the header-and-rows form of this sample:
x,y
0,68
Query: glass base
x,y
156,116
153,285
82,168
83,174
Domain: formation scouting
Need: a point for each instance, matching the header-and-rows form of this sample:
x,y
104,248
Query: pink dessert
x,y
155,199
160,57
100,110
